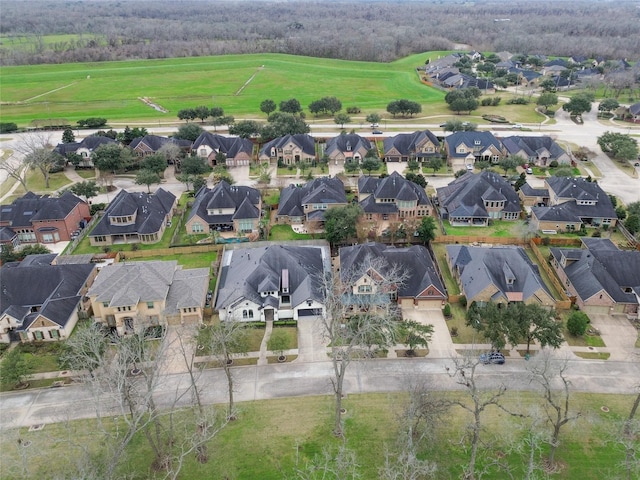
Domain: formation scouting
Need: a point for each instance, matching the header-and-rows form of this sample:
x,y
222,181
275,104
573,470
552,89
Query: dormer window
x,y
476,142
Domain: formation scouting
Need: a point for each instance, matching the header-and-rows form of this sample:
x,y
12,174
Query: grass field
x,y
237,83
270,437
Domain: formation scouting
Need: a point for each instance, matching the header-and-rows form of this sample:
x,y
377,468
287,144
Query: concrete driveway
x,y
618,334
440,345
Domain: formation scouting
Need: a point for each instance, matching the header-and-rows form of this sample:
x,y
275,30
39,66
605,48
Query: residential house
x,y
403,147
309,202
130,297
237,151
392,198
272,282
600,278
573,202
84,148
466,148
134,218
349,147
289,150
44,219
634,111
150,144
8,237
40,302
475,199
502,274
363,266
539,151
533,197
225,207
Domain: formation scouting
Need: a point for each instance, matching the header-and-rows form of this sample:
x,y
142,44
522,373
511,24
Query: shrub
x,y
546,241
495,101
553,163
8,127
446,311
596,233
96,207
454,331
463,301
353,110
577,323
518,101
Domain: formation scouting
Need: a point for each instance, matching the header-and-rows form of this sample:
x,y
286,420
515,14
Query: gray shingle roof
x,y
54,288
601,267
407,143
90,143
30,207
230,146
349,142
302,140
577,189
224,195
322,190
413,261
245,271
483,139
394,186
466,194
479,267
533,145
151,211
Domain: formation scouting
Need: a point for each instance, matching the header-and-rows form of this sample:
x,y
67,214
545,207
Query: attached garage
x,y
431,303
309,312
596,309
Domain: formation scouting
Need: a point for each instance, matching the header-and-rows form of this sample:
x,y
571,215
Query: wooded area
x,y
372,31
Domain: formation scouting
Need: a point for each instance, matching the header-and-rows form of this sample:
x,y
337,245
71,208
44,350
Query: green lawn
x,y
270,436
112,90
285,232
500,228
192,260
440,251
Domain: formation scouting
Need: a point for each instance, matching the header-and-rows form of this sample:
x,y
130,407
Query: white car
x,y
529,171
517,125
469,167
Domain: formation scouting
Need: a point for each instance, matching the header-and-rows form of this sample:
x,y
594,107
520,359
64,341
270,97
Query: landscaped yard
x,y
192,260
440,251
270,438
499,228
285,232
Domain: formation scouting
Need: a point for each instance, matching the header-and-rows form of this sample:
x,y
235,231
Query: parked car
x,y
517,125
377,132
529,170
493,357
469,167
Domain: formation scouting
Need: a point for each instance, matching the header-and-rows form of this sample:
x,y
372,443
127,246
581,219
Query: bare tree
x,y
37,150
15,169
341,465
225,341
351,335
545,370
464,373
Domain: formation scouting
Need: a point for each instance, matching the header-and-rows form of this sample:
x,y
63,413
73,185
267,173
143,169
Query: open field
x,y
237,83
112,89
277,433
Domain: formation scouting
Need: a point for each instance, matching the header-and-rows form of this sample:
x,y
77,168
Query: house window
x,y
149,304
476,142
38,335
105,304
286,299
364,288
196,227
250,313
245,314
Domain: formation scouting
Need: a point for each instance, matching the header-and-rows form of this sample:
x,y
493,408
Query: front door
x,y
268,314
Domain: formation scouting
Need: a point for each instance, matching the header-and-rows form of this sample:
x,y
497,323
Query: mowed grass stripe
x,y
113,88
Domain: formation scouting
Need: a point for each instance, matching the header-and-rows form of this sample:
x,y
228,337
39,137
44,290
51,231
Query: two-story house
x,y
150,144
135,218
44,219
309,202
237,151
131,297
84,148
392,198
497,274
42,302
347,147
368,271
573,202
600,278
272,282
539,151
475,199
225,208
411,146
466,148
289,150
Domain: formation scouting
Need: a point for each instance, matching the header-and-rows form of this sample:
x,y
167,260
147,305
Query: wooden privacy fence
x,y
564,303
169,251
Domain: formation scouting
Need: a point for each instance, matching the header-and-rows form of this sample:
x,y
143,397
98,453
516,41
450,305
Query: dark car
x,y
493,357
377,132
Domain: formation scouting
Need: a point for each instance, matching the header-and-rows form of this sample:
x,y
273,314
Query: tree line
x,y
382,32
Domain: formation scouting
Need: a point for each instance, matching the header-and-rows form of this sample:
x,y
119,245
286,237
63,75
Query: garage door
x,y
309,312
429,303
599,309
